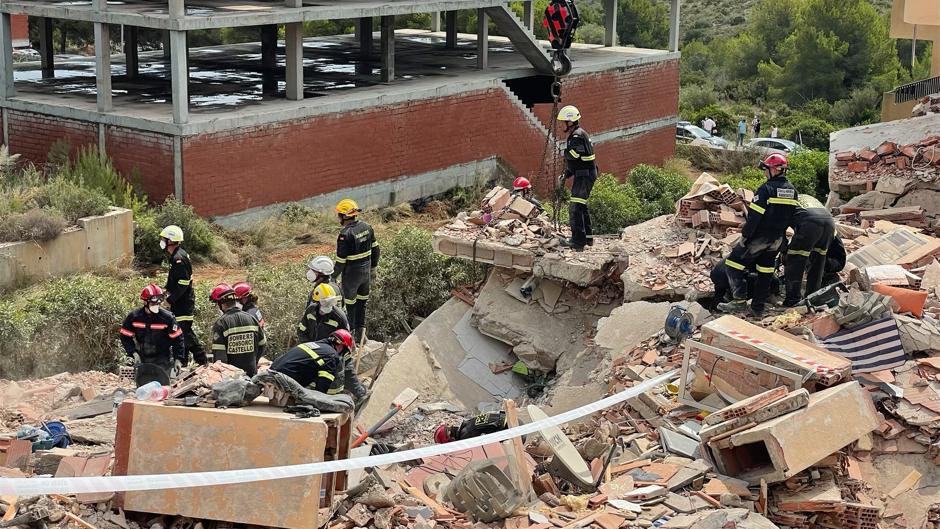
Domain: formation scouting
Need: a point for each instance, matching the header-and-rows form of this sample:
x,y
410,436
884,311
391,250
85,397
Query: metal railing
x,y
917,90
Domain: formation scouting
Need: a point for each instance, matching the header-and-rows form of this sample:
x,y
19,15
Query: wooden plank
x,y
11,510
440,512
522,467
905,485
78,521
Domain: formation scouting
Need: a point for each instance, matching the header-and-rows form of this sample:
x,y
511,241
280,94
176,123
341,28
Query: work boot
x,y
755,313
568,244
734,306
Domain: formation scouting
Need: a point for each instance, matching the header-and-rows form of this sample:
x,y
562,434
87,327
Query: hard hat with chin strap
x,y
172,233
569,113
322,292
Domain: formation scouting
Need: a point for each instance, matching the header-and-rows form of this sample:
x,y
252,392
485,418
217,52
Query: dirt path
x,y
215,273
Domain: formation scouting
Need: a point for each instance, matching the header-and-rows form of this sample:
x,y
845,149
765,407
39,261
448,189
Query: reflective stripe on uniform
x,y
375,243
313,354
139,324
334,323
784,201
184,282
732,264
126,332
574,153
335,391
350,301
218,347
821,251
358,256
765,269
589,158
158,326
326,374
301,326
184,318
757,208
804,253
577,200
243,328
340,259
362,297
176,333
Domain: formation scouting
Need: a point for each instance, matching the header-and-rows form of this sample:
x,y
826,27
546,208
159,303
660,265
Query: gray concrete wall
x,y
96,242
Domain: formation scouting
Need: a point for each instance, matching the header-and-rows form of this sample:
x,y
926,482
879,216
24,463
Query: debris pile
x,y
710,206
929,104
917,161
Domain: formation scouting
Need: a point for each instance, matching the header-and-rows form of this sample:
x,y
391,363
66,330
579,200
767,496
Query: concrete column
x,y
436,21
131,56
450,26
610,22
268,58
166,44
388,48
103,66
7,89
294,41
364,29
483,39
179,76
46,50
674,25
528,15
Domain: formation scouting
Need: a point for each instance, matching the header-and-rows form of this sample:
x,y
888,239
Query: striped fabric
x,y
871,347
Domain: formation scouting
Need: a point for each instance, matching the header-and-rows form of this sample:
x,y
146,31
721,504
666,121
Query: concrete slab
x,y
481,352
630,324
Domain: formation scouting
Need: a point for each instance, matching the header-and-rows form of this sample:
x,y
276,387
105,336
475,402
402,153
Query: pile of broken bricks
x,y
929,104
917,161
507,218
710,206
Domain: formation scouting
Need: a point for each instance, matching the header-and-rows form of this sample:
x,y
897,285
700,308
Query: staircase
x,y
522,39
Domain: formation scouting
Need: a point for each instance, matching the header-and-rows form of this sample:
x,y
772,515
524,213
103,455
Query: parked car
x,y
772,145
686,132
25,55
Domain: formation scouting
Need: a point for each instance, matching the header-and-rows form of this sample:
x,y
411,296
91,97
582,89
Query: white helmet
x,y
569,113
172,233
321,264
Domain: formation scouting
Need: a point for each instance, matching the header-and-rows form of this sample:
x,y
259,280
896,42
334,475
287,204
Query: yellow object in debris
x,y
575,503
786,319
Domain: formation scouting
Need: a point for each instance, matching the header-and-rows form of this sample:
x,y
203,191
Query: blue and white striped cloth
x,y
871,347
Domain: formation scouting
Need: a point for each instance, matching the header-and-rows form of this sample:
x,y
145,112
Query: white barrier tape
x,y
35,486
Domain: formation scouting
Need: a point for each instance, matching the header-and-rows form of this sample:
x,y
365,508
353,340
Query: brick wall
x,y
619,156
31,135
20,26
146,158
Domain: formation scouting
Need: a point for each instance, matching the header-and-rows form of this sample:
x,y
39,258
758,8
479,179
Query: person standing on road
x,y
181,295
357,256
150,334
709,125
755,126
742,132
774,132
579,164
237,339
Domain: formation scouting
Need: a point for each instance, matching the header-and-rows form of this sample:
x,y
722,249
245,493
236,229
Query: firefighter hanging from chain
x,y
561,20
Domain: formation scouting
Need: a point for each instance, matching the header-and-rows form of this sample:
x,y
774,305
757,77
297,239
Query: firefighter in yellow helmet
x,y
357,255
180,290
579,163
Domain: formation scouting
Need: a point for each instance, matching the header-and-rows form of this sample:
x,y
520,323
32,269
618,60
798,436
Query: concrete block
x,y
503,258
156,439
783,447
445,246
522,207
792,402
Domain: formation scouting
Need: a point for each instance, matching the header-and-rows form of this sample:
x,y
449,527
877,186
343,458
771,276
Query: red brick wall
x,y
20,26
149,155
620,98
31,135
619,156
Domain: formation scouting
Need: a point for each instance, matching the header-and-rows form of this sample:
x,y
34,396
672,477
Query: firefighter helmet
x,y
342,336
242,289
442,435
521,182
152,293
323,291
775,160
569,113
347,207
222,292
322,265
172,233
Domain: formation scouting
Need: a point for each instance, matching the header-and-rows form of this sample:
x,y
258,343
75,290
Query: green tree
x,y
811,67
642,23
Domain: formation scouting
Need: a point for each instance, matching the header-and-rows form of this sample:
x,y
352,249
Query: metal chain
x,y
548,171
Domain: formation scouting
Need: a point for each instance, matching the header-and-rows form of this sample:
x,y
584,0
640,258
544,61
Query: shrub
x,y
613,205
812,132
199,240
721,116
282,296
748,178
94,171
657,189
71,199
412,280
718,160
34,225
809,172
695,97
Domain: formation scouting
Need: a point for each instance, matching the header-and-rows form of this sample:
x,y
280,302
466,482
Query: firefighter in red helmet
x,y
150,334
237,337
523,188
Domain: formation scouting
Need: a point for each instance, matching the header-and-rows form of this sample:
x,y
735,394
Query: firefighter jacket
x,y
835,257
482,424
771,212
811,210
311,364
579,154
253,309
356,247
238,340
179,286
156,338
315,326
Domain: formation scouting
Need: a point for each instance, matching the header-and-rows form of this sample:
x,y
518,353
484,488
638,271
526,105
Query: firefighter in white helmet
x,y
579,163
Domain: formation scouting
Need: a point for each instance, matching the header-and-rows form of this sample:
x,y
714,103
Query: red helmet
x,y
775,160
521,182
242,289
222,292
441,435
152,292
342,336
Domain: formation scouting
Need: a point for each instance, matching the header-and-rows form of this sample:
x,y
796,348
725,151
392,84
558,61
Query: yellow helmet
x,y
172,233
347,207
323,291
569,113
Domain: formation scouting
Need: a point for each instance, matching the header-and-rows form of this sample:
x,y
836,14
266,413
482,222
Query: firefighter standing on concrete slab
x,y
317,365
150,334
247,301
814,230
237,338
763,235
180,293
579,159
523,188
320,270
357,255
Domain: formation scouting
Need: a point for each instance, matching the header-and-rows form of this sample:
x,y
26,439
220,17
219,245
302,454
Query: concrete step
x,y
522,39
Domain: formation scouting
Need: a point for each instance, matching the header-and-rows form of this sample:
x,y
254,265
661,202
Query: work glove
x,y
561,178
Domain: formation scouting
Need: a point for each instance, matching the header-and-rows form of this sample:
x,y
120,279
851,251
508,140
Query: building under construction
x,y
236,130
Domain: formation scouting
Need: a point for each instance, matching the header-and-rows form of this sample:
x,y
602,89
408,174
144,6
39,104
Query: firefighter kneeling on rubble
x,y
150,334
317,365
814,230
579,160
482,424
719,277
769,215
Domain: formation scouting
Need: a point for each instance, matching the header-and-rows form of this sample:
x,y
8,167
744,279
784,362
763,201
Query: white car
x,y
772,145
26,55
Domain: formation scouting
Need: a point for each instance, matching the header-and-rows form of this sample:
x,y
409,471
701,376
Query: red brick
x,y
858,167
868,156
